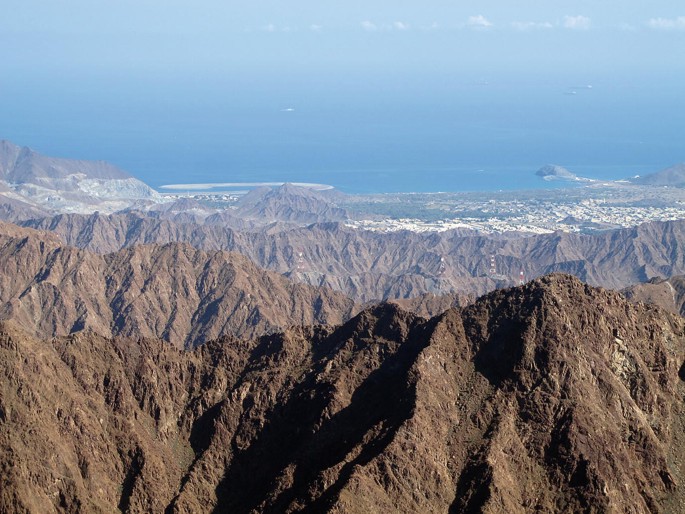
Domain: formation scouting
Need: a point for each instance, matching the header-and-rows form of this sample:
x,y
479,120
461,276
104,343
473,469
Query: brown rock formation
x,y
668,294
173,291
552,397
369,266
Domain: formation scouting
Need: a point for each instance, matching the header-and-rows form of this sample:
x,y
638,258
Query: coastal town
x,y
577,205
588,215
586,208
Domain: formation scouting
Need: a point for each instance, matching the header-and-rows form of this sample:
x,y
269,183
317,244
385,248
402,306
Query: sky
x,y
329,38
76,71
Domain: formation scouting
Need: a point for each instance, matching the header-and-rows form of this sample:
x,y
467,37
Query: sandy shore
x,y
215,185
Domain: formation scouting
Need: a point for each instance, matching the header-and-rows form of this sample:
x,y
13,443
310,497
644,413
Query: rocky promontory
x,y
554,172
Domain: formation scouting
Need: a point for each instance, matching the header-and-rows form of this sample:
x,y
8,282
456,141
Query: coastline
x,y
215,185
408,180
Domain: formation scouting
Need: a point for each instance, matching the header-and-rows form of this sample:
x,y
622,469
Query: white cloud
x,y
276,28
667,23
369,26
432,26
315,28
531,25
577,22
270,27
479,21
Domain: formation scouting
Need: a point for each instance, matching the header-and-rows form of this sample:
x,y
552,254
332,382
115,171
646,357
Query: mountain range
x,y
172,291
301,234
550,397
370,266
164,356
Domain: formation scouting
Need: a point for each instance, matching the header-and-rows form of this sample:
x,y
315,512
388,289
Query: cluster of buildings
x,y
535,217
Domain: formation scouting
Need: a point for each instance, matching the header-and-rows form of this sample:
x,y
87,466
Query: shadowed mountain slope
x,y
551,397
668,293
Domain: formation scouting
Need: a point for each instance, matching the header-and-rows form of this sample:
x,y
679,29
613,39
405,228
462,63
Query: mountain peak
x,y
290,203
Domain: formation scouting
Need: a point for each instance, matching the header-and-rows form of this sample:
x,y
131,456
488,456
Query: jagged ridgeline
x,y
172,291
314,237
368,266
550,397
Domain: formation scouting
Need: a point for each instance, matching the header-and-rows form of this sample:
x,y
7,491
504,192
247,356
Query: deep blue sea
x,y
360,138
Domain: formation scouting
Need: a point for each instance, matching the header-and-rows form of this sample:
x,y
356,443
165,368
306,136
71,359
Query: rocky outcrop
x,y
551,397
668,293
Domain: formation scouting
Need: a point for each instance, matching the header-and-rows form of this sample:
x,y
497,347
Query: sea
x,y
474,135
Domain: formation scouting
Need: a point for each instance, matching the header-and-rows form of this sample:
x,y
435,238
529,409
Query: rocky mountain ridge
x,y
371,266
173,291
669,294
551,397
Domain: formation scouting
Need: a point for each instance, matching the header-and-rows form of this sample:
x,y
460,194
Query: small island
x,y
554,172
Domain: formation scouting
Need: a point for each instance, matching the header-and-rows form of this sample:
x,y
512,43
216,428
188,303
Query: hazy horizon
x,y
219,92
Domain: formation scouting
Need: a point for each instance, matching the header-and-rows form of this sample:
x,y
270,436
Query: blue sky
x,y
214,37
